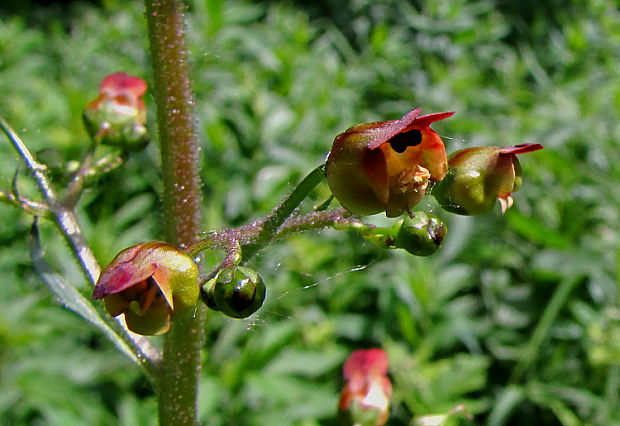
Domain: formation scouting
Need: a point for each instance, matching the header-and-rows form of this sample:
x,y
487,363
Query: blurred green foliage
x,y
517,316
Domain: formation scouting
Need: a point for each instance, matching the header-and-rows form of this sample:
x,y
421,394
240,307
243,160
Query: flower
x,y
478,176
387,165
237,291
148,282
365,398
118,115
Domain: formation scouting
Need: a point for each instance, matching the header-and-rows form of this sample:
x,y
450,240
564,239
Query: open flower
x,y
365,399
118,115
479,176
387,165
148,282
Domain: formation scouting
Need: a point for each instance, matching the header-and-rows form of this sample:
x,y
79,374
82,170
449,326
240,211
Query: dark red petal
x,y
428,119
393,127
123,83
520,149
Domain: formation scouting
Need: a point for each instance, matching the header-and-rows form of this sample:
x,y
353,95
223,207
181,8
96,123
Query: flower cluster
x,y
390,165
386,166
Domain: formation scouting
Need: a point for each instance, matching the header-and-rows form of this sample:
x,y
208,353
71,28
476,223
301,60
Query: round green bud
x,y
421,235
237,291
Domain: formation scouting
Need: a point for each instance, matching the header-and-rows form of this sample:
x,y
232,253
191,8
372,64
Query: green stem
x,y
255,236
76,184
29,206
177,386
270,225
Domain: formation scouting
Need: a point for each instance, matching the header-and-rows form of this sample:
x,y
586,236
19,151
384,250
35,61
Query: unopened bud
x,y
237,291
421,235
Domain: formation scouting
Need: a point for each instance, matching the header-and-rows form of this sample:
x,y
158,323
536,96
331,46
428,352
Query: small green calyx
x,y
420,235
236,291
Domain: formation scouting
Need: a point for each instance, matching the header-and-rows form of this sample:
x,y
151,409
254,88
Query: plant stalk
x,y
177,384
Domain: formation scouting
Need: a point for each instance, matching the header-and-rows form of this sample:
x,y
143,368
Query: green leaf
x,y
70,297
507,401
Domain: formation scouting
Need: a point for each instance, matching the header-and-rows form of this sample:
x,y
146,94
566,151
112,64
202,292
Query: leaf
x,y
508,399
70,297
305,363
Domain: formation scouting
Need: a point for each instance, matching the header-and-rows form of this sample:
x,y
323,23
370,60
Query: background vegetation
x,y
517,317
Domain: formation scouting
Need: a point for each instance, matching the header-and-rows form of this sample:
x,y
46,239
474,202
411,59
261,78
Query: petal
x,y
120,82
115,304
392,128
376,172
520,149
153,322
505,203
121,277
366,361
129,267
428,119
162,279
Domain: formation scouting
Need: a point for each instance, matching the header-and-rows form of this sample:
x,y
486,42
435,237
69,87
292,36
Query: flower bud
x,y
387,165
365,398
421,235
478,176
148,282
237,291
118,116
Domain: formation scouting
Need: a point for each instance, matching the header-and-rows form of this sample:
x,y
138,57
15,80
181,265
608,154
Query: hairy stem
x,y
177,386
269,227
259,234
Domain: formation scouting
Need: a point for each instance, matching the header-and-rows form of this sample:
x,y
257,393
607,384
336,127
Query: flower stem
x,y
257,235
177,386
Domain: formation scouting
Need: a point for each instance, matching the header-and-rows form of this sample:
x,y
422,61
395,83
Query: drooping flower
x,y
387,165
118,115
148,282
478,176
365,398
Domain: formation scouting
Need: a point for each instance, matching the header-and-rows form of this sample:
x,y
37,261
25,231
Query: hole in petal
x,y
402,141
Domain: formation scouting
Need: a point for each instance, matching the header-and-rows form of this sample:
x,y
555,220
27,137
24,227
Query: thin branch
x,y
29,206
269,227
67,222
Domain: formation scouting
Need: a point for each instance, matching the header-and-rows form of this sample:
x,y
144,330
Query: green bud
x,y
117,116
420,235
479,176
237,291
